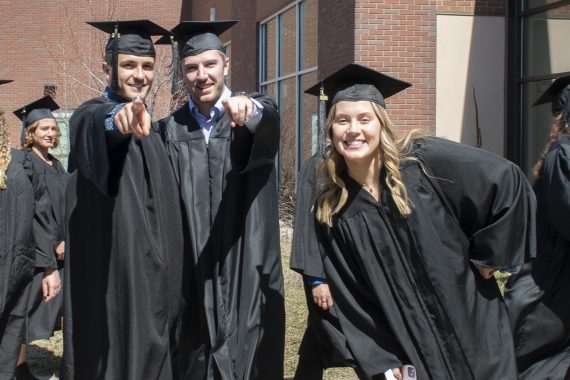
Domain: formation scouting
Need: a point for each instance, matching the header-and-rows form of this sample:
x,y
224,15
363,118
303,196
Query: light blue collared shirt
x,y
218,111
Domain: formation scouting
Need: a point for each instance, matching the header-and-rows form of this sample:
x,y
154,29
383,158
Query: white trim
x,y
289,76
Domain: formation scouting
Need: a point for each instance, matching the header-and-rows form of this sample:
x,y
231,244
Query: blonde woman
x,y
538,297
408,235
49,179
16,250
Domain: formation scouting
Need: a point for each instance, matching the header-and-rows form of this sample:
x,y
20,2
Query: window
x,y
62,151
538,54
288,66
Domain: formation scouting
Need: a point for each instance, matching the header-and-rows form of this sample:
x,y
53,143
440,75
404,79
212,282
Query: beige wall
x,y
470,54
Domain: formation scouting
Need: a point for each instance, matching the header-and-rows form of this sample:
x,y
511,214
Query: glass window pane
x,y
535,3
287,41
270,50
229,55
545,40
309,26
537,123
309,107
269,90
287,101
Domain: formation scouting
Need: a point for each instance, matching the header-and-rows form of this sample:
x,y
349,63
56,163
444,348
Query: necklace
x,y
370,189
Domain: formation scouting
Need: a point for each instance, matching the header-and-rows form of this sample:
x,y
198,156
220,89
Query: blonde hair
x,y
29,136
5,156
333,194
558,128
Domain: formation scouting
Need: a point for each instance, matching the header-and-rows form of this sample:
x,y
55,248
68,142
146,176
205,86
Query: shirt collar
x,y
112,95
217,110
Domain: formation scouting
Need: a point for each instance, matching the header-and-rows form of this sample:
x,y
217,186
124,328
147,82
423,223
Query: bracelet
x,y
241,93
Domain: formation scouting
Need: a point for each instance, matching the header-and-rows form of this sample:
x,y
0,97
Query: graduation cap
x,y
4,81
37,110
131,37
195,37
355,82
558,94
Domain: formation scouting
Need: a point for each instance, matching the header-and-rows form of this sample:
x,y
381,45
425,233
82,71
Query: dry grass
x,y
296,308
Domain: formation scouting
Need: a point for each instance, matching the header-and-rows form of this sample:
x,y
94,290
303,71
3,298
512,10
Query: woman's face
x,y
356,131
45,134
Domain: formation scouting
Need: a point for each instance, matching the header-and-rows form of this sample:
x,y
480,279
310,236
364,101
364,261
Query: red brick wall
x,y
399,38
488,7
48,42
244,59
336,35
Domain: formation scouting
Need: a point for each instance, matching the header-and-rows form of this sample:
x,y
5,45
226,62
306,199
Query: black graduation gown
x,y
16,261
322,340
234,322
124,253
538,297
49,182
403,288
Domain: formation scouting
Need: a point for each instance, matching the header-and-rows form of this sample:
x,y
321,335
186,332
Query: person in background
x,y
538,297
408,233
125,239
17,252
40,133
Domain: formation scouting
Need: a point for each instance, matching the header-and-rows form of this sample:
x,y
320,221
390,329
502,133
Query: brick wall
x,y
478,7
336,35
398,38
49,43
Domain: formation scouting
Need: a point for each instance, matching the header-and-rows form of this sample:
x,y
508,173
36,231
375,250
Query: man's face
x,y
134,74
204,76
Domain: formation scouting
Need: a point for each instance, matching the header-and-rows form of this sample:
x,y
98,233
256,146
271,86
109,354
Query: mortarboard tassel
x,y
115,58
322,117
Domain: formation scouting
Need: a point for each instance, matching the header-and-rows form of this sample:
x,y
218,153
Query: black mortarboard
x,y
131,37
355,82
4,81
37,110
558,93
194,37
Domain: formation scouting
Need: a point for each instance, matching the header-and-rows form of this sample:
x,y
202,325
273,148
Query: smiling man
x,y
223,145
124,220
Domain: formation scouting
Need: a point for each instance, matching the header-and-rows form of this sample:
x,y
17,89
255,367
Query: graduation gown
x,y
234,321
538,297
125,253
16,261
49,182
403,287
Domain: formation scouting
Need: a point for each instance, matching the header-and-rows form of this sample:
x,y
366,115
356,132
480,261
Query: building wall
x,y
399,39
336,33
470,80
495,7
49,43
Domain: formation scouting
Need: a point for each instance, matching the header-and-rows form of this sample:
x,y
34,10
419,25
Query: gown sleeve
x,y
306,251
93,149
266,138
556,178
489,196
44,226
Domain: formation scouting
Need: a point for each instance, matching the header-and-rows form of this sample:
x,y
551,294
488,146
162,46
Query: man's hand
x,y
59,249
239,109
322,296
133,118
487,273
51,283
